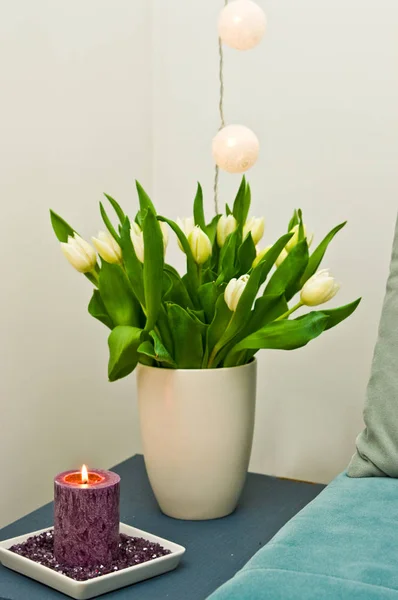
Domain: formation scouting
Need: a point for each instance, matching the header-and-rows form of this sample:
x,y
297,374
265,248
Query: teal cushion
x,y
344,545
377,445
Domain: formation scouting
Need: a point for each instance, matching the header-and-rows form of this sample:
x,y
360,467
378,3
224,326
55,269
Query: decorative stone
x,y
131,551
86,518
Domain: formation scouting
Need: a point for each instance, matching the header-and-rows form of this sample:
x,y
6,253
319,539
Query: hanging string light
x,y
241,25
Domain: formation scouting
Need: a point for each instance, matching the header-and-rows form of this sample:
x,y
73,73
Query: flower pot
x,y
197,432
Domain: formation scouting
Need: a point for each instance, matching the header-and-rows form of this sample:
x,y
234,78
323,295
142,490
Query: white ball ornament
x,y
242,24
235,148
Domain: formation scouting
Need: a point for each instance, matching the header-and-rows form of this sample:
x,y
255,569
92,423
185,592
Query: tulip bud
x,y
225,226
200,245
186,225
80,254
108,248
260,256
281,258
320,288
295,238
234,290
137,238
255,227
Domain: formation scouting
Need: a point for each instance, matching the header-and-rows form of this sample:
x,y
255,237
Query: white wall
x,y
322,94
75,121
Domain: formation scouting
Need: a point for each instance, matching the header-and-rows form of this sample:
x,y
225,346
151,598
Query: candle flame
x,y
84,474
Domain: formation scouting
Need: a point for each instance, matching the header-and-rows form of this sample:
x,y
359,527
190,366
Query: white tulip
x,y
187,226
320,288
137,238
165,232
284,254
295,238
200,245
107,247
80,254
234,291
260,255
255,227
225,226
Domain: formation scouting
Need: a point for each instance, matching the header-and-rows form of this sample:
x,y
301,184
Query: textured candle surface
x,y
86,518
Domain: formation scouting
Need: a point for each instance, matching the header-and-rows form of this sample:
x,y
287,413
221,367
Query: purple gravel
x,y
132,551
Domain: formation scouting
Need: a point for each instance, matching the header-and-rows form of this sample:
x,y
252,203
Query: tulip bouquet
x,y
232,301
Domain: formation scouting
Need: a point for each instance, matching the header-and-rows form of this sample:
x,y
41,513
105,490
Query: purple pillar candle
x,y
86,519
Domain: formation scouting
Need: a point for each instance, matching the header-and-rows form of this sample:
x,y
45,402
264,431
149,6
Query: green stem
x,y
199,267
290,311
93,277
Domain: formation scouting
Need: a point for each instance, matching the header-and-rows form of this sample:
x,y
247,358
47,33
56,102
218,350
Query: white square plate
x,y
83,590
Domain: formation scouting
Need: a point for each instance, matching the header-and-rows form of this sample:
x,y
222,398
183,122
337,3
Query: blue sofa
x,y
343,545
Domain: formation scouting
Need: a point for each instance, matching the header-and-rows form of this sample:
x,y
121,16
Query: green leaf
x,y
247,203
199,317
246,255
337,315
286,279
266,309
146,349
131,263
226,267
318,254
163,328
228,211
242,313
61,228
153,267
97,309
293,221
208,275
218,325
167,285
301,235
145,201
285,334
243,310
108,223
144,359
198,211
138,218
241,208
178,293
187,337
123,356
191,277
211,229
156,350
116,207
116,294
208,294
272,254
161,352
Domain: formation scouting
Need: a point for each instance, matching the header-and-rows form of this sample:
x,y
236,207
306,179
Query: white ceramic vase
x,y
197,432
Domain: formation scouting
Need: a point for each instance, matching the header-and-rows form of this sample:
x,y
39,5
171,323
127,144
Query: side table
x,y
216,550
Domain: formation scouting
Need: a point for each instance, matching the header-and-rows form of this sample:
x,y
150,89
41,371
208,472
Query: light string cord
x,y
221,112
